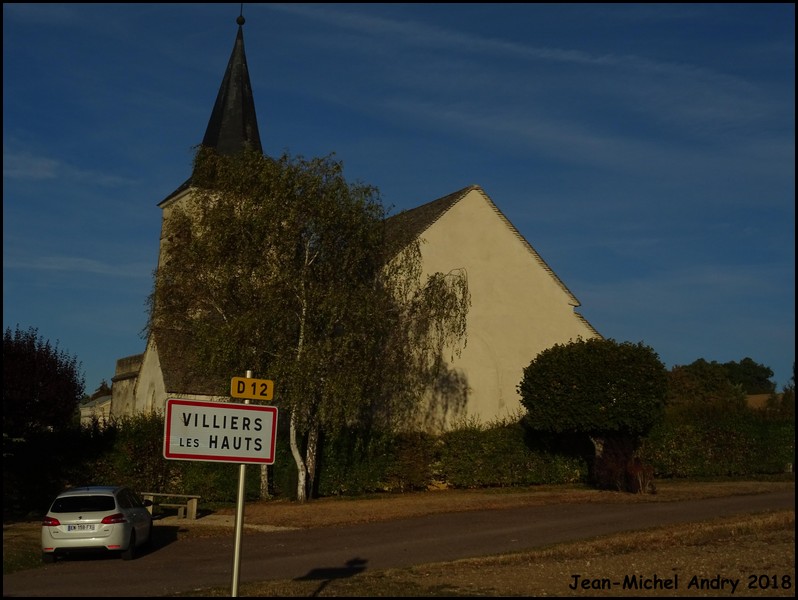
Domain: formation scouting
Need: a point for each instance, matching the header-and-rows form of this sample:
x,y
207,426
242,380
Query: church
x,y
519,307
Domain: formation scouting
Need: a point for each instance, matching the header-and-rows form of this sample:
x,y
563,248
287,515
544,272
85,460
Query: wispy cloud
x,y
23,165
687,292
75,264
42,14
540,96
715,312
28,167
414,33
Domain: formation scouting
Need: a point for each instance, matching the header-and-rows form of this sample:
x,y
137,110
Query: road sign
x,y
252,389
219,432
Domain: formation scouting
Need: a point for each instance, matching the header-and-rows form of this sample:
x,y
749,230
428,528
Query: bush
x,y
410,466
504,453
697,443
720,443
356,462
137,456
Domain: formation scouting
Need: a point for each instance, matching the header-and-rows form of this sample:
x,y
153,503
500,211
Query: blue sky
x,y
646,151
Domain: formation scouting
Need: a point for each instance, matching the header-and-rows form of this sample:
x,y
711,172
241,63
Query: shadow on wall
x,y
447,400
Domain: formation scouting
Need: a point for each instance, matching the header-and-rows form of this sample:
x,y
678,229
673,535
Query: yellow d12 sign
x,y
252,389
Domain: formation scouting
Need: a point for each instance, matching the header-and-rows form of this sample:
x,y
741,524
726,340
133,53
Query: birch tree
x,y
283,267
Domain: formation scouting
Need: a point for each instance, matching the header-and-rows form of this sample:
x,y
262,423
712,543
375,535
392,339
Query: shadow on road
x,y
328,574
162,536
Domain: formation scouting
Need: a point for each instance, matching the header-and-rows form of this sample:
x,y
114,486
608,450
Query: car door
x,y
136,513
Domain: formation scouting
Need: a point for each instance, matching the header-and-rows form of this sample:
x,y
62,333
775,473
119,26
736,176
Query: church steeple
x,y
233,124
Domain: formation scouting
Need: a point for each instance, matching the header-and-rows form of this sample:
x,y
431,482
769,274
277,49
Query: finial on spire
x,y
240,20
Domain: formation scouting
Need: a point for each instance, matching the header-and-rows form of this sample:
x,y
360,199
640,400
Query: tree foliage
x,y
598,386
784,405
709,385
754,378
703,386
613,393
283,267
102,390
42,384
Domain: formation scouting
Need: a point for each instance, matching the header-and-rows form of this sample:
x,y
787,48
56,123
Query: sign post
x,y
239,508
225,432
242,475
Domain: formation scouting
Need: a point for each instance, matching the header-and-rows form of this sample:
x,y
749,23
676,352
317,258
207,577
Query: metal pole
x,y
239,519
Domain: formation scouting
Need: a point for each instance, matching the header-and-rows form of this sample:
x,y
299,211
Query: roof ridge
x,y
409,224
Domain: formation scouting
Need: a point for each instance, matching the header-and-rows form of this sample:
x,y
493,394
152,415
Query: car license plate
x,y
81,527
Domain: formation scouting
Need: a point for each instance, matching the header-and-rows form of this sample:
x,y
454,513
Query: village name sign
x,y
219,432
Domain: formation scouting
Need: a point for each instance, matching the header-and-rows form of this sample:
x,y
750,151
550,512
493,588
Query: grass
x,y
21,546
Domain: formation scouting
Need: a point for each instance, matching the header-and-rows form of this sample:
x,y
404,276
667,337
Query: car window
x,y
124,499
70,504
135,499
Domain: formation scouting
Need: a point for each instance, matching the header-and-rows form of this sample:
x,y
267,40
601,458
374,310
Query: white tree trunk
x,y
312,454
301,480
598,446
300,463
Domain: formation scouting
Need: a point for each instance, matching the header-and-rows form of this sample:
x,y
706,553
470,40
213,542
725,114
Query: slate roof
x,y
233,124
408,225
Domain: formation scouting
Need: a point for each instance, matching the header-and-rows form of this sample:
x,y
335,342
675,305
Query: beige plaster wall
x,y
124,386
100,411
518,308
150,393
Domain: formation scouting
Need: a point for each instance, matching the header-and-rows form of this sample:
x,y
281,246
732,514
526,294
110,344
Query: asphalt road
x,y
330,552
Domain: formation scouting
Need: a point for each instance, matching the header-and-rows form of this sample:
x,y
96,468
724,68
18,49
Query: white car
x,y
104,518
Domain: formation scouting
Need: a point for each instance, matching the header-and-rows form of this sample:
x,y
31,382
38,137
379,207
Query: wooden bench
x,y
186,507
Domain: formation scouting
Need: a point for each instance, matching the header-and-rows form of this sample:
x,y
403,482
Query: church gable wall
x,y
518,306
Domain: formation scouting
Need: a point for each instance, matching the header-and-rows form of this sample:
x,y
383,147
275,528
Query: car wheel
x,y
48,558
130,553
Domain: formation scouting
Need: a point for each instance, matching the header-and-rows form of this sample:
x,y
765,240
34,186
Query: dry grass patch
x,y
382,507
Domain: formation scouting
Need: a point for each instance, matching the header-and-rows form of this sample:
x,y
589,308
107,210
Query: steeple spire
x,y
233,124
